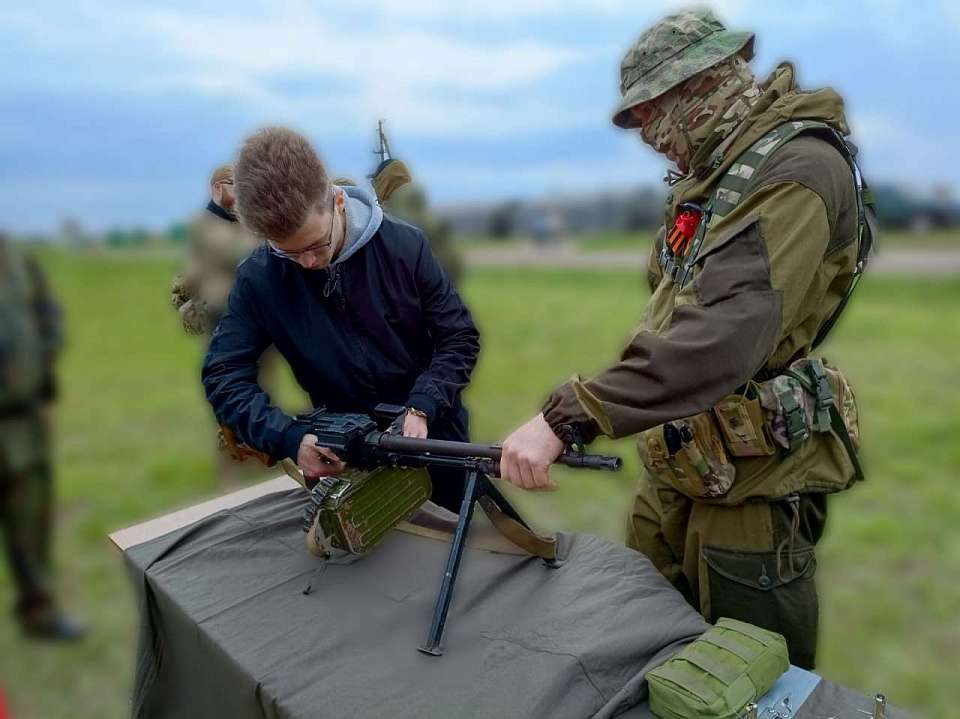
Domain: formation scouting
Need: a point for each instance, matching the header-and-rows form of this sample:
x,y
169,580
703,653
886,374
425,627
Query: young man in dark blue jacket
x,y
353,299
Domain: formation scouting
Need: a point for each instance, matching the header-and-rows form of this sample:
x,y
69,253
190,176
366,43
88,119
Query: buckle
x,y
823,393
795,421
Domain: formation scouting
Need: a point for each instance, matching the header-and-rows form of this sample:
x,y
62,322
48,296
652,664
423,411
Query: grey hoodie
x,y
364,216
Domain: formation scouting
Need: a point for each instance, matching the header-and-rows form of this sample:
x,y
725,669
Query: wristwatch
x,y
417,412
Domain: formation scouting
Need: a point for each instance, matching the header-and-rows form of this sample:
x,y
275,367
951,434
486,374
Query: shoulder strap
x,y
736,183
732,188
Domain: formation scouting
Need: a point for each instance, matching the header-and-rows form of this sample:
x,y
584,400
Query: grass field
x,y
135,440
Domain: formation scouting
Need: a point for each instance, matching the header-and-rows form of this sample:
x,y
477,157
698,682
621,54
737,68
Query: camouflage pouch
x,y
809,397
355,510
716,676
688,454
741,420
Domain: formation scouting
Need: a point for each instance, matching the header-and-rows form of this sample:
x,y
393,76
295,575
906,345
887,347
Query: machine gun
x,y
369,443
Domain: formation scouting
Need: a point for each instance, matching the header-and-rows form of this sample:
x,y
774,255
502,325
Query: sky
x,y
114,113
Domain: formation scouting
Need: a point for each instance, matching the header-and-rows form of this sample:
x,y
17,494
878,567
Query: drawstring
x,y
788,541
333,281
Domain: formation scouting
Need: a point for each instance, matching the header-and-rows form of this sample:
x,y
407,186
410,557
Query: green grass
x,y
135,440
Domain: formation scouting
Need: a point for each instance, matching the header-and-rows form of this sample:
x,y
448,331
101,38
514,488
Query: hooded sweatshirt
x,y
382,323
363,220
768,275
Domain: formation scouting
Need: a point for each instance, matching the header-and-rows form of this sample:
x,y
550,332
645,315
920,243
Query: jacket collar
x,y
220,212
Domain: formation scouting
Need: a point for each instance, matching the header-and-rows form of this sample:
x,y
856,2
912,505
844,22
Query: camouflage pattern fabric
x,y
26,509
711,105
30,337
672,51
215,247
776,397
772,393
30,330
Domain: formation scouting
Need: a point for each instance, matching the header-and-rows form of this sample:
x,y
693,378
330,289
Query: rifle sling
x,y
512,530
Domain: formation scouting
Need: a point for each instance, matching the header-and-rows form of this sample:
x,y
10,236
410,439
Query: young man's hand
x,y
528,454
414,426
316,462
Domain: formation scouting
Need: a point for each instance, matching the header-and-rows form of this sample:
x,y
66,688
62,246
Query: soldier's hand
x,y
315,461
528,454
414,426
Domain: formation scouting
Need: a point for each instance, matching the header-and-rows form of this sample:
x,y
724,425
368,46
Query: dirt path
x,y
895,261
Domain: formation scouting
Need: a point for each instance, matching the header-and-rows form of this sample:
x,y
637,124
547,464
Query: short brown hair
x,y
279,179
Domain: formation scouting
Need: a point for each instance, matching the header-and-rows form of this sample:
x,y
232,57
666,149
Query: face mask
x,y
709,105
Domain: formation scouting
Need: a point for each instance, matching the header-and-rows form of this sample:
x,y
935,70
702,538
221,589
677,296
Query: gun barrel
x,y
469,450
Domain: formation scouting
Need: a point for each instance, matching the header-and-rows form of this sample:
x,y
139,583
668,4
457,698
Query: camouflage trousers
x,y
26,502
754,562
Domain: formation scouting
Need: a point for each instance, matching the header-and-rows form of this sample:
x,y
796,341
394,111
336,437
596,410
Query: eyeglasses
x,y
295,255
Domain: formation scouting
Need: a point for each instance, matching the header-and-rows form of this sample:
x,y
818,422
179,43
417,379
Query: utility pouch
x,y
716,676
809,398
741,420
688,454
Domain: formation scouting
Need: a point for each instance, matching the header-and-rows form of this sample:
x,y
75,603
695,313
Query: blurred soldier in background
x,y
405,199
216,244
410,204
30,339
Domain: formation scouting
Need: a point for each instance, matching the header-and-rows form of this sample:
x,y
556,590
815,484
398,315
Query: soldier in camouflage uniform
x,y
402,197
741,432
30,338
216,243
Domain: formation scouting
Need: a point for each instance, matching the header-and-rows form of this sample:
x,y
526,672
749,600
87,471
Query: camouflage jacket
x,y
31,332
215,246
768,275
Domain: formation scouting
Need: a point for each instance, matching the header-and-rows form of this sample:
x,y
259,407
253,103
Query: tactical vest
x,y
737,184
22,361
765,441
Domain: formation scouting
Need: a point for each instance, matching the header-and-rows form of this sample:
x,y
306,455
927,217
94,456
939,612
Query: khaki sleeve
x,y
654,271
750,278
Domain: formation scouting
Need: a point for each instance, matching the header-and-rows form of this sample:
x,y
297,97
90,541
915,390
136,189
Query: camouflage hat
x,y
674,50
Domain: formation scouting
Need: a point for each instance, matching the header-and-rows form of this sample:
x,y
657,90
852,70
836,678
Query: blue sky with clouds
x,y
114,112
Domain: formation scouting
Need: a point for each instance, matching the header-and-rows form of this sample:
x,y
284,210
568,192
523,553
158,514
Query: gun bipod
x,y
506,519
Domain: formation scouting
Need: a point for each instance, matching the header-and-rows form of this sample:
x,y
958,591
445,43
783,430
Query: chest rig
x,y
679,249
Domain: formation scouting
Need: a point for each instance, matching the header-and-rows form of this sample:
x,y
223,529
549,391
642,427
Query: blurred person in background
x,y
353,299
31,336
216,244
757,256
399,195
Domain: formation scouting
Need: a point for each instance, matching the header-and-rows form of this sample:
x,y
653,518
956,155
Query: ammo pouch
x,y
798,432
689,455
716,676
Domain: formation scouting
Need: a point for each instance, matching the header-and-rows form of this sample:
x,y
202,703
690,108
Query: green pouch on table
x,y
716,676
